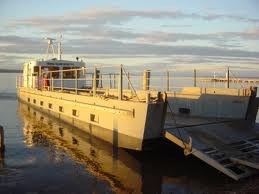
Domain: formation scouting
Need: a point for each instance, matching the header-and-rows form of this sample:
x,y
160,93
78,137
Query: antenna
x,y
50,46
59,48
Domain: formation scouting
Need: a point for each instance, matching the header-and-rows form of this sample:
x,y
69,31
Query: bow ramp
x,y
231,145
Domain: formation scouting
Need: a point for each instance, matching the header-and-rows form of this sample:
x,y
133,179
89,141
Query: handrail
x,y
131,86
139,84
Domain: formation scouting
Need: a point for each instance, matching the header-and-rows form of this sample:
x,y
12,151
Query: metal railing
x,y
116,81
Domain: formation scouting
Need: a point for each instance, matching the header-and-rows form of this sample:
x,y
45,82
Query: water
x,y
44,155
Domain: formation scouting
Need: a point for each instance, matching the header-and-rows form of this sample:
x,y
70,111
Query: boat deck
x,y
231,146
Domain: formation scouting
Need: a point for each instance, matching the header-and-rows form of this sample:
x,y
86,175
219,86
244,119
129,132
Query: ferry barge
x,y
217,125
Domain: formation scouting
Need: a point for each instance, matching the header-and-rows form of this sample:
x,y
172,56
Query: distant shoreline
x,y
10,71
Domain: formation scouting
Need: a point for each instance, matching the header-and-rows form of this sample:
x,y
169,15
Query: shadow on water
x,y
162,170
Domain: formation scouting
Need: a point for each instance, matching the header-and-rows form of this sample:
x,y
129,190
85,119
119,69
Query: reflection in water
x,y
164,170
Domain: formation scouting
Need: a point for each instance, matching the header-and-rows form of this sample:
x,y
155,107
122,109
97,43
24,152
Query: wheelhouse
x,y
34,71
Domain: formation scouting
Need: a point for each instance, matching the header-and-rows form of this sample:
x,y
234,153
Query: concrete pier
x,y
232,80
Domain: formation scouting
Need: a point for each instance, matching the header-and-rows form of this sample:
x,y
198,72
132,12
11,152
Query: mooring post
x,y
120,84
146,79
227,77
94,81
194,78
2,146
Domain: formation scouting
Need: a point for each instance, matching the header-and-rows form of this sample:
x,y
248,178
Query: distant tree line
x,y
10,71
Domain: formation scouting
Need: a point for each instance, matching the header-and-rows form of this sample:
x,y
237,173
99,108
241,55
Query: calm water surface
x,y
44,155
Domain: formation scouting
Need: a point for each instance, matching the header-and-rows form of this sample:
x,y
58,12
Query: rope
x,y
235,77
179,133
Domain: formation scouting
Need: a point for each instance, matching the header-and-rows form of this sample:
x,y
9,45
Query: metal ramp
x,y
231,147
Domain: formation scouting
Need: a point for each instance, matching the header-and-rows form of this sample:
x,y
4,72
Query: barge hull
x,y
121,123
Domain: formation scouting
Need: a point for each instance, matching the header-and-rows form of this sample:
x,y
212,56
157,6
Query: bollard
x,y
2,146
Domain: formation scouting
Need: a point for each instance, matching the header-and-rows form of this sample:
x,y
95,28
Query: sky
x,y
164,33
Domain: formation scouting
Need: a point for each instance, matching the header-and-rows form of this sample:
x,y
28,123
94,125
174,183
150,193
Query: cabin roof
x,y
54,62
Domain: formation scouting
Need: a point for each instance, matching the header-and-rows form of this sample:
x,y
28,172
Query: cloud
x,y
109,15
104,46
101,23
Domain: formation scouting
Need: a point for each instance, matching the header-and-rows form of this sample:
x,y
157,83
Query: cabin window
x,y
35,70
68,73
41,103
50,105
75,112
51,74
34,101
54,74
61,109
28,99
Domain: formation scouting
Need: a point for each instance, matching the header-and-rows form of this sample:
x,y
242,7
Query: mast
x,y
50,46
59,48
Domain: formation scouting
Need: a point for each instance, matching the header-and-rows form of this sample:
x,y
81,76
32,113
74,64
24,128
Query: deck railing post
x,y
146,79
120,84
52,84
167,81
76,82
114,80
62,81
194,78
110,77
38,81
94,81
101,80
128,74
227,77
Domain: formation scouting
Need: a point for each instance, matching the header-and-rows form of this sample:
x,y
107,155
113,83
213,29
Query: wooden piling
x,y
194,78
2,146
146,79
